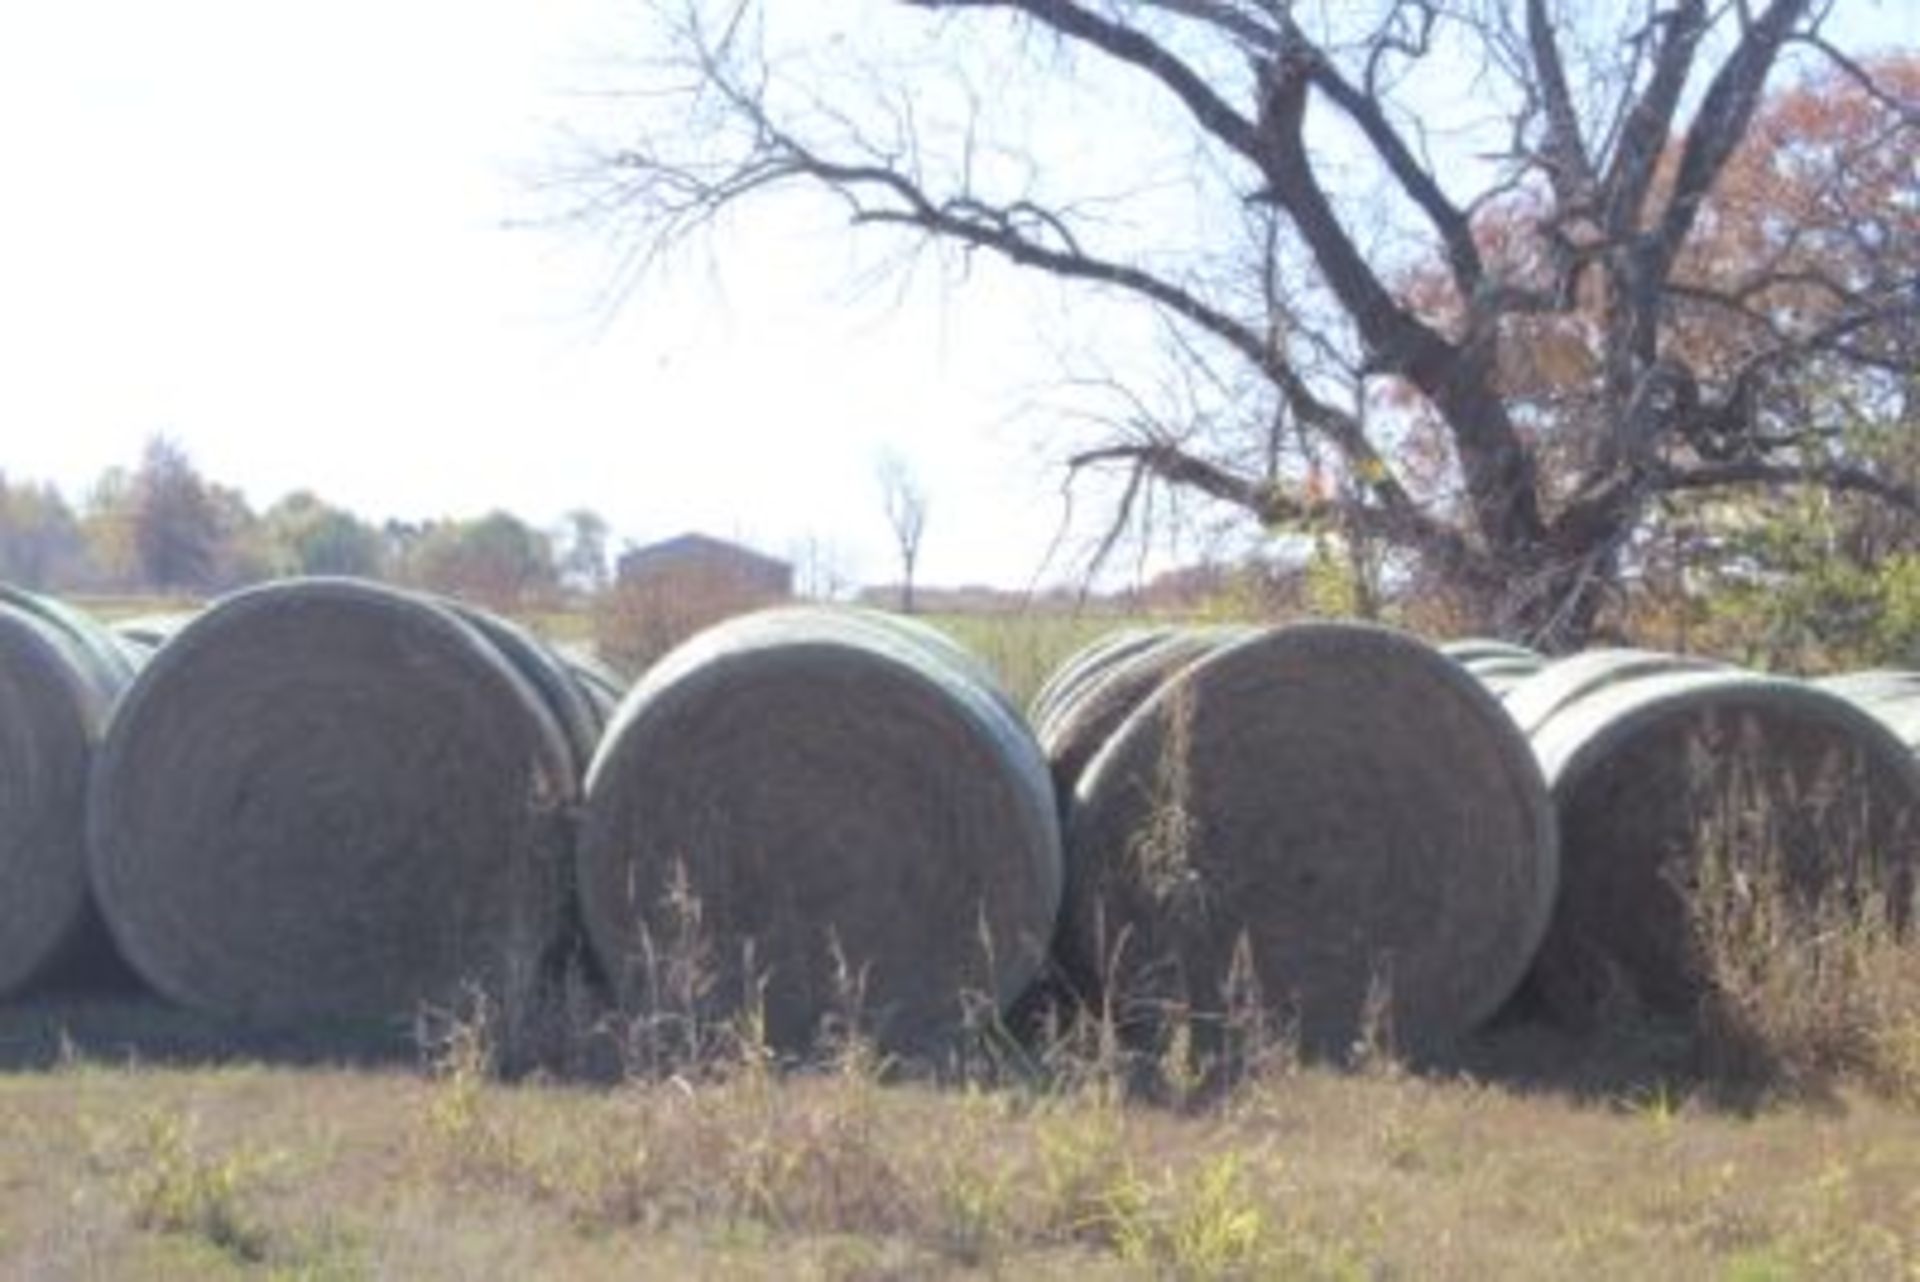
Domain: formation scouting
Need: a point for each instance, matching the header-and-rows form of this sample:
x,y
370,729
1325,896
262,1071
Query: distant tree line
x,y
163,527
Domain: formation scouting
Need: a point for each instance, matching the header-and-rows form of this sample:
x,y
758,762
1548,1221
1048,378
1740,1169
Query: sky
x,y
310,243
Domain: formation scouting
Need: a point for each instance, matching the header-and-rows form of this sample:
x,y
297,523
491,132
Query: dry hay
x,y
58,685
834,816
1687,780
329,798
1330,823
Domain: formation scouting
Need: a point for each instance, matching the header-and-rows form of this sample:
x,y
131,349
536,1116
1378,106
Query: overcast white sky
x,y
279,233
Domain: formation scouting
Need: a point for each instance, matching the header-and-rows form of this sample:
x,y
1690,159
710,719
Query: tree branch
x,y
1830,476
1569,167
1136,49
1719,126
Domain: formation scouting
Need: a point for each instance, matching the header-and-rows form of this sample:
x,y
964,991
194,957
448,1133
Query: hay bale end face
x,y
1331,820
1682,790
329,798
54,703
839,798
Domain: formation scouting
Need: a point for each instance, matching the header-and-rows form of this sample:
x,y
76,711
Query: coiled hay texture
x,y
330,798
60,677
1330,823
1686,789
829,814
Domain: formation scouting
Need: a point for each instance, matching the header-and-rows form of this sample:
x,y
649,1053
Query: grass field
x,y
393,1172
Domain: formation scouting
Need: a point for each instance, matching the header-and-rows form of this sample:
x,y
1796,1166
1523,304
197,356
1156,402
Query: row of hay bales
x,y
1329,817
332,799
329,798
1681,783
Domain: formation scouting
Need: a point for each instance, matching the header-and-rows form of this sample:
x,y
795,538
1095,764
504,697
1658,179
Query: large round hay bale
x,y
603,686
1681,784
1567,682
55,700
838,796
1331,820
107,662
1086,663
551,676
1087,712
329,798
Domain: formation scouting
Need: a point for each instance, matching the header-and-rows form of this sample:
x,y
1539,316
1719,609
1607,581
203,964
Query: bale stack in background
x,y
60,677
1333,818
816,801
1679,783
327,797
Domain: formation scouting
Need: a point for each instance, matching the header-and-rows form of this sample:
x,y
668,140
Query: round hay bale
x,y
566,698
330,798
108,664
1680,790
1087,713
1330,820
1087,662
54,707
831,791
597,680
1565,682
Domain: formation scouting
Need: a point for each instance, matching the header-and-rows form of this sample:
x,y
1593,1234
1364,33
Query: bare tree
x,y
1553,159
820,569
905,503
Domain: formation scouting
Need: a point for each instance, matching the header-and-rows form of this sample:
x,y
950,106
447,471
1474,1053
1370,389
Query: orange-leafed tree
x,y
1642,286
1791,354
